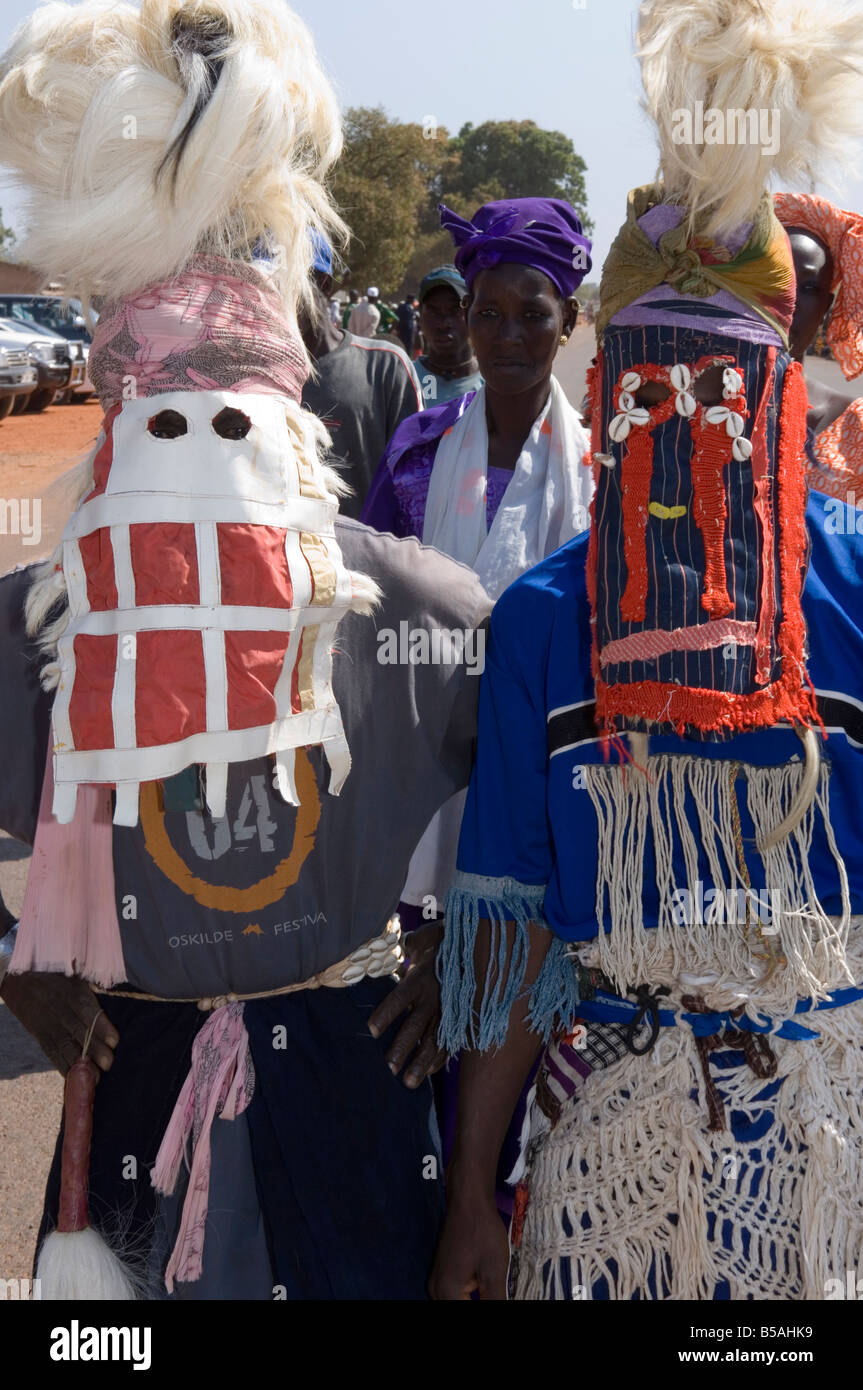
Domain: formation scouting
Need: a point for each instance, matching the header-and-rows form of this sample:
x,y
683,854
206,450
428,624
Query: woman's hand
x,y
59,1011
417,995
473,1254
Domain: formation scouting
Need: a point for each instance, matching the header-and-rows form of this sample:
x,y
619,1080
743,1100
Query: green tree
x,y
518,159
381,184
392,177
7,238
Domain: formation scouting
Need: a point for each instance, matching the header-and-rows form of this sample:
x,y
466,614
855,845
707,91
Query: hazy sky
x,y
566,64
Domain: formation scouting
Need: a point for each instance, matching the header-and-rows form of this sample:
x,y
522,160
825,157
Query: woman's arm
x,y
474,1250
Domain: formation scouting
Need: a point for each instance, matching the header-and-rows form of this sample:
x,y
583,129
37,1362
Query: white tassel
x,y
80,1265
808,787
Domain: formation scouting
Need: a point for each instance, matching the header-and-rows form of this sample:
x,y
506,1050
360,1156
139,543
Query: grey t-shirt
x,y
365,388
272,894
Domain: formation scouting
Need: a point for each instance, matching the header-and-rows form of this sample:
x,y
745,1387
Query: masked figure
x,y
660,872
231,764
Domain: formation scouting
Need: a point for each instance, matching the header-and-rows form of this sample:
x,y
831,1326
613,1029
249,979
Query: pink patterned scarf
x,y
69,918
221,1083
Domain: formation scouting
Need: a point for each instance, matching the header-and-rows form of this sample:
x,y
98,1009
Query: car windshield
x,y
47,313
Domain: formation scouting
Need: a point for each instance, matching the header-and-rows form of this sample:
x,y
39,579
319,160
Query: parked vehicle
x,y
49,354
63,319
19,378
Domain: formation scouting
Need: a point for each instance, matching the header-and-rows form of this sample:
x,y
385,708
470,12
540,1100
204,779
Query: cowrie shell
x,y
627,401
684,404
680,376
717,414
607,460
741,449
618,429
734,424
732,382
631,381
352,974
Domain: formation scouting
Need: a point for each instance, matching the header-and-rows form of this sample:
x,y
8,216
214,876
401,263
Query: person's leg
x,y
347,1158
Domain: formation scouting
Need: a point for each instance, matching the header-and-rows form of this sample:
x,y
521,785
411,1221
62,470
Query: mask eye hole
x,y
167,424
651,393
708,386
231,423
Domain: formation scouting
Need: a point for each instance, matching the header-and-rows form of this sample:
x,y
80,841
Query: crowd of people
x,y
447,865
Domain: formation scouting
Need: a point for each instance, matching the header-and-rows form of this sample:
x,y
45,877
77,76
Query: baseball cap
x,y
322,254
442,275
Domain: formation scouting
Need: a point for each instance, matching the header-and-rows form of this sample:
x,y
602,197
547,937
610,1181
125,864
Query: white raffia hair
x,y
802,58
145,136
46,610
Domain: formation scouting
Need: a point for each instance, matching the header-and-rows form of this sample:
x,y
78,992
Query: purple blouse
x,y
396,501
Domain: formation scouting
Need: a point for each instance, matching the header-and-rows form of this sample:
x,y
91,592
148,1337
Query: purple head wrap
x,y
541,232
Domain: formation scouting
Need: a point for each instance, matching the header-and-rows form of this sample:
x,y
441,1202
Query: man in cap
x,y
447,367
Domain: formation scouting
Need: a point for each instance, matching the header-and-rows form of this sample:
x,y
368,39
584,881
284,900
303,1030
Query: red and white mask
x,y
205,585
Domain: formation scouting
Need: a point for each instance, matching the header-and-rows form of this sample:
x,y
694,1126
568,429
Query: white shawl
x,y
545,504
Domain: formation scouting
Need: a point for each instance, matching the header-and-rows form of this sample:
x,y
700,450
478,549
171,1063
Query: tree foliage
x,y
520,160
7,238
392,176
379,184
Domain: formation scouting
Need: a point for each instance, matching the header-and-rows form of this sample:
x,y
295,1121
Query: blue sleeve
x,y
505,830
505,855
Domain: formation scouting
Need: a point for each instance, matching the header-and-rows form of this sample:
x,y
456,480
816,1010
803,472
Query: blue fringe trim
x,y
479,1021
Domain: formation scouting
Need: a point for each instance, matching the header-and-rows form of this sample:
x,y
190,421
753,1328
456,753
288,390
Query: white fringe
x,y
632,808
631,1152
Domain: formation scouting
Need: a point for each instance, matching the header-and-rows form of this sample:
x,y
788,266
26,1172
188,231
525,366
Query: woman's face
x,y
515,319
